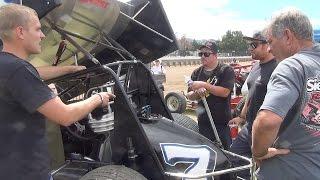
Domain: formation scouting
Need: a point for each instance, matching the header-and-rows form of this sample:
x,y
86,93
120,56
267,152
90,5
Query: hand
x,y
197,85
106,96
76,68
237,121
202,92
271,153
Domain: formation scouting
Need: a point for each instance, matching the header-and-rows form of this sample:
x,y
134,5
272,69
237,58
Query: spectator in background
x,y
159,74
157,67
215,81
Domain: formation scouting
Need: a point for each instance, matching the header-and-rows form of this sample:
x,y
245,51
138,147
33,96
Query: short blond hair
x,y
12,16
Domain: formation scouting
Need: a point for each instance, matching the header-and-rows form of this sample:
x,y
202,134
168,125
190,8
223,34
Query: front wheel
x,y
113,172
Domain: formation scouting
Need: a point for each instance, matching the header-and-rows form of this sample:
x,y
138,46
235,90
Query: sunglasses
x,y
254,45
205,54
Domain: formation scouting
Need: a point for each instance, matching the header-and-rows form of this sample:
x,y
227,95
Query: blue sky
x,y
210,19
247,10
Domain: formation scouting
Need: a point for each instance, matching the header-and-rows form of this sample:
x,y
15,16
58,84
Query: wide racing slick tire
x,y
113,172
176,102
185,121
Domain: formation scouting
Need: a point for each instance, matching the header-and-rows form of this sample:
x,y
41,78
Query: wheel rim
x,y
173,103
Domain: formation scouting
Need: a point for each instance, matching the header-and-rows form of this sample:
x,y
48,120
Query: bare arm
x,y
217,90
244,110
264,132
212,89
50,72
242,117
65,115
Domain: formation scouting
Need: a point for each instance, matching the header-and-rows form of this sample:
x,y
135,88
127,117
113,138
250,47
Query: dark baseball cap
x,y
210,45
258,36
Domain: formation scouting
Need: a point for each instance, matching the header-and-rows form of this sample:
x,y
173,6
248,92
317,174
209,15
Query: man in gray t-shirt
x,y
286,142
257,85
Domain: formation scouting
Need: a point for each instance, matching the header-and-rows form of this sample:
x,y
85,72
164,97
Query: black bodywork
x,y
146,131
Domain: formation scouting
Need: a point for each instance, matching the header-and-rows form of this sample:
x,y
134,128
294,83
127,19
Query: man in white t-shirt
x,y
157,68
159,73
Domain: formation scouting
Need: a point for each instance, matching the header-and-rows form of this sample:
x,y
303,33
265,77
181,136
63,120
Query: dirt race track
x,y
175,77
176,81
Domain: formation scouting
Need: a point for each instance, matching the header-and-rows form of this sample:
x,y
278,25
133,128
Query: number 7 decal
x,y
196,155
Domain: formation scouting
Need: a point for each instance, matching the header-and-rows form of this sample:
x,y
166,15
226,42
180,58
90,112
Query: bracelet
x,y
101,98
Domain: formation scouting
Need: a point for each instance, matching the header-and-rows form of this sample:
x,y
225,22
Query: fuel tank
x,y
139,26
90,19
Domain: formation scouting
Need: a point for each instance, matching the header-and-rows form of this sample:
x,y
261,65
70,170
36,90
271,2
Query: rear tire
x,y
113,172
185,121
176,102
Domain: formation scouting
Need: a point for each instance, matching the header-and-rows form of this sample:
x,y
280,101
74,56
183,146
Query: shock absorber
x,y
132,156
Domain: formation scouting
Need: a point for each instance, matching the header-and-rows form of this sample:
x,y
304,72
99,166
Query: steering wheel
x,y
81,130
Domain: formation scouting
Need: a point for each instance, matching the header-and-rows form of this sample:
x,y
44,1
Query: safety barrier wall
x,y
193,60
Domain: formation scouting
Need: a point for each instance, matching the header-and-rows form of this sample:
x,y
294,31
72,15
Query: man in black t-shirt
x,y
257,86
214,80
25,100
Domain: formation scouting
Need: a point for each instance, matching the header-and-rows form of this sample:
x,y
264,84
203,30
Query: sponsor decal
x,y
99,3
313,84
195,157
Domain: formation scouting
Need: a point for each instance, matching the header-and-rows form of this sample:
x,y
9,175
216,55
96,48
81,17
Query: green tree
x,y
195,45
232,42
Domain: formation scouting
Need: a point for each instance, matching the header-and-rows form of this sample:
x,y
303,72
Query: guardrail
x,y
194,60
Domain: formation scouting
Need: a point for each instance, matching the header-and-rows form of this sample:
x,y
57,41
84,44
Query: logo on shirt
x,y
311,111
213,81
313,84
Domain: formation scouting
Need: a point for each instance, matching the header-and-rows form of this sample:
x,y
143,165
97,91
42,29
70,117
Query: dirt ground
x,y
175,77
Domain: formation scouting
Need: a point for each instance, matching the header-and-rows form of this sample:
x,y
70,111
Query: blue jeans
x,y
242,146
205,129
50,177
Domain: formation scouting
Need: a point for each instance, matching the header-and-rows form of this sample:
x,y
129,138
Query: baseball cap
x,y
211,45
258,36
